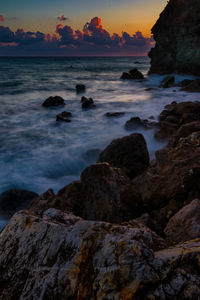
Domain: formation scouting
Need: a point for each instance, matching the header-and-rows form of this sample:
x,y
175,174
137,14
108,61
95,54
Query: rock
x,y
132,74
53,101
80,88
60,256
175,115
185,82
87,102
114,114
185,224
14,200
167,82
104,193
193,87
64,116
91,155
129,153
136,122
177,39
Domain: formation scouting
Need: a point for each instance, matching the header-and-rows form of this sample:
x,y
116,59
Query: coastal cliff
x,y
177,36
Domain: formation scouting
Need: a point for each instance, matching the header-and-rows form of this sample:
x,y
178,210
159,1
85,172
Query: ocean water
x,y
36,152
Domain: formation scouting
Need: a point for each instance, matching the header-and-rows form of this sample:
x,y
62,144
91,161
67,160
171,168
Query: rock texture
x,y
177,35
60,256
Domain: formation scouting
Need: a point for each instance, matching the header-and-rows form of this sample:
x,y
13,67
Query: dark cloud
x,y
92,40
62,18
1,18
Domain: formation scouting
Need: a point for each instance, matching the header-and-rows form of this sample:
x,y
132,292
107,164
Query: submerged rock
x,y
132,74
64,116
114,114
87,102
53,101
14,200
177,39
136,122
58,256
80,88
129,153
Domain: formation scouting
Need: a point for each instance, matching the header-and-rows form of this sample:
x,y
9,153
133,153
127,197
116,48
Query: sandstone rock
x,y
167,82
64,116
60,256
129,153
53,101
87,102
114,114
136,122
13,200
80,88
185,224
132,74
177,39
193,87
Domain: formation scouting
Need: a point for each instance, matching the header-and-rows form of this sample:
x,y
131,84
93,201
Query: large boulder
x,y
185,224
53,101
129,153
104,193
14,200
177,39
60,256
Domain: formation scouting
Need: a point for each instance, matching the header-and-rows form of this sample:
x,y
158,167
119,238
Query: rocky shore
x,y
129,229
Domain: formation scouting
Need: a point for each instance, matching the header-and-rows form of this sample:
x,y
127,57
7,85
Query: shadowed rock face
x,y
60,256
177,36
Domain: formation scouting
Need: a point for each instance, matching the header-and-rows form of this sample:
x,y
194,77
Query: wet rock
x,y
14,200
91,155
64,116
114,114
136,122
80,88
53,101
132,74
185,82
185,224
167,82
129,153
87,102
193,87
59,255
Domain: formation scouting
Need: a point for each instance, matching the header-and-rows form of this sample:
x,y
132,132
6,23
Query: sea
x,y
38,153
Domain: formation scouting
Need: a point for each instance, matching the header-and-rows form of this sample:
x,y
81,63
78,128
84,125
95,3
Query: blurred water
x,y
36,153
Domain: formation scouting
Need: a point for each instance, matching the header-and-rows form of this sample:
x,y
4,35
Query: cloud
x,y
62,18
92,40
1,18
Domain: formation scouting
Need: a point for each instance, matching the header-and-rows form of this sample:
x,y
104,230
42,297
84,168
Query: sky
x,y
77,27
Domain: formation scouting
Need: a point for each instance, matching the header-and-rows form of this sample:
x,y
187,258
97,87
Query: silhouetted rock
x,y
80,88
132,74
14,200
87,102
129,153
114,114
53,101
193,87
177,39
64,116
136,122
167,82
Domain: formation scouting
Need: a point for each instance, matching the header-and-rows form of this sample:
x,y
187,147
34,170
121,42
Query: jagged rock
x,y
59,256
64,116
53,101
185,224
80,88
167,82
114,114
136,122
129,153
193,87
87,102
175,115
132,74
104,193
177,39
13,200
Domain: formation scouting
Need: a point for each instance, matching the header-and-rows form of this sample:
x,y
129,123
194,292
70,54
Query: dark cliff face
x,y
177,36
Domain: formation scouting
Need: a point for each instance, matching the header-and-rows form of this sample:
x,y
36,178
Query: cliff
x,y
177,36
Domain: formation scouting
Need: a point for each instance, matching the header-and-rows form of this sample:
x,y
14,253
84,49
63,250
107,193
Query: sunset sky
x,y
44,16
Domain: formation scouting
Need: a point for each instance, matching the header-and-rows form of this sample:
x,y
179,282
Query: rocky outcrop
x,y
133,74
129,153
53,101
136,122
167,82
177,34
60,256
